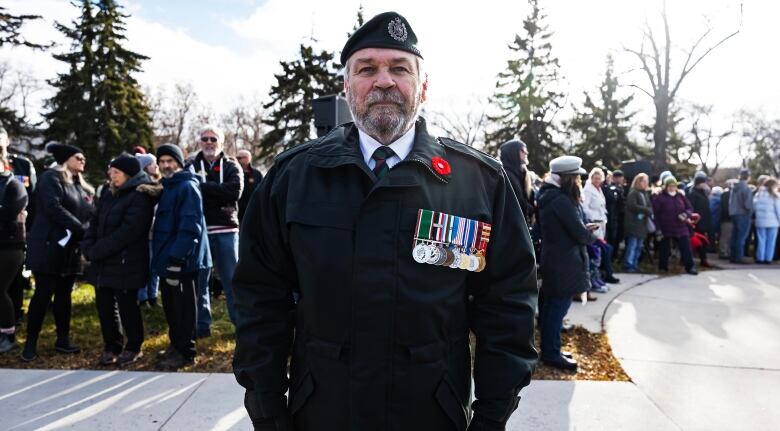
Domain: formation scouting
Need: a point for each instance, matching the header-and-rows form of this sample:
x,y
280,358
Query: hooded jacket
x,y
116,242
667,209
221,186
517,172
564,260
179,230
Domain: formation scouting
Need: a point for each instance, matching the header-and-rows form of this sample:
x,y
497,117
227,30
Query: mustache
x,y
384,96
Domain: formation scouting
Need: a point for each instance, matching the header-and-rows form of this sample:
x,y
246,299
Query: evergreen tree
x,y
11,29
99,105
302,80
526,94
359,21
601,128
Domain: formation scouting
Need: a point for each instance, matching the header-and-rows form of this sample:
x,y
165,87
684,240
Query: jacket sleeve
x,y
135,222
51,194
263,283
15,201
190,222
570,220
635,207
501,313
230,189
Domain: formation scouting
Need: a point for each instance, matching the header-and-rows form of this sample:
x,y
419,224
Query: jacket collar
x,y
341,147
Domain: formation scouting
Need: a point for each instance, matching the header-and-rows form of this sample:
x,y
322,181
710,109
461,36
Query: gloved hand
x,y
478,423
280,423
173,271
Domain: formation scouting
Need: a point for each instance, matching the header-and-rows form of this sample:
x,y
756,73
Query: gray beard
x,y
384,123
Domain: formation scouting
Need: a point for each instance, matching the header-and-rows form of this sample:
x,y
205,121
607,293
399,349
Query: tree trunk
x,y
660,132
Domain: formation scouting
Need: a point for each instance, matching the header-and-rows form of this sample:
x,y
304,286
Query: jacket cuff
x,y
264,405
479,423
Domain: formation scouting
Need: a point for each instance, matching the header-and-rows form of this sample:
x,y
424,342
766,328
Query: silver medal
x,y
420,253
434,254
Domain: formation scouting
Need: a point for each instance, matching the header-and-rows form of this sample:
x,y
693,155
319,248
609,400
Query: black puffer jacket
x,y
222,187
14,200
564,261
117,242
61,206
701,205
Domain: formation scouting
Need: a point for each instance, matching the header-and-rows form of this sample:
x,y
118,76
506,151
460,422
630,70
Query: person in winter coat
x,y
740,210
64,202
117,247
726,225
252,178
332,278
13,201
715,200
179,252
514,158
147,295
639,209
222,181
700,203
594,203
564,241
672,213
766,204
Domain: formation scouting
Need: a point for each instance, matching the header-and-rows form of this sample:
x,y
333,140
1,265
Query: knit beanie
x,y
173,151
127,164
145,159
63,152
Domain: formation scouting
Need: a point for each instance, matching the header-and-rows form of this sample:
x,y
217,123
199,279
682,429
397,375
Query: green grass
x,y
214,353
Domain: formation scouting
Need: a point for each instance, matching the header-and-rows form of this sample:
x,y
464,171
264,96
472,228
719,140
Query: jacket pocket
x,y
301,393
449,402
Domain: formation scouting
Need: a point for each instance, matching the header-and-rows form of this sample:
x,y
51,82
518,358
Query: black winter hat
x,y
386,30
173,151
127,164
699,180
63,152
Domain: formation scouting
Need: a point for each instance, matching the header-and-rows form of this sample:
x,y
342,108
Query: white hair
x,y
215,130
596,171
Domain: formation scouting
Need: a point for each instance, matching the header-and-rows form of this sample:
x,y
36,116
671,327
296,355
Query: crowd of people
x,y
589,228
160,222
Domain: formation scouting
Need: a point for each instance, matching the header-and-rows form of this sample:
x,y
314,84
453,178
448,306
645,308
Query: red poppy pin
x,y
441,166
216,168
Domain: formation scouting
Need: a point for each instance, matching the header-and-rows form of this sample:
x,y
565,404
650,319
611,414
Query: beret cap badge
x,y
397,30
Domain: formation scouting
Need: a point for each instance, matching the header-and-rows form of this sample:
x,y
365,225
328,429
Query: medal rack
x,y
450,241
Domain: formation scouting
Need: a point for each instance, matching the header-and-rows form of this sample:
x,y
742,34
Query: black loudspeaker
x,y
329,113
632,169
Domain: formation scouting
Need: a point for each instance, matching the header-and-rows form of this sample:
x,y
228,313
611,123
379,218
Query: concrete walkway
x,y
139,401
706,349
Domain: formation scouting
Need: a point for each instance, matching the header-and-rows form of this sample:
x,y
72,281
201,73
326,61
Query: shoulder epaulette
x,y
472,152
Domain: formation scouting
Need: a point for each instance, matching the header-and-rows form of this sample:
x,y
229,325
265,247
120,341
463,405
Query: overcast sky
x,y
231,48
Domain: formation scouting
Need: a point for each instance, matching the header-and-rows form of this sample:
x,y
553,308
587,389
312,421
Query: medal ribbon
x,y
484,237
424,224
469,245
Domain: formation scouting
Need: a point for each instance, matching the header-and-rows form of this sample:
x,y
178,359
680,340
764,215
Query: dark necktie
x,y
380,156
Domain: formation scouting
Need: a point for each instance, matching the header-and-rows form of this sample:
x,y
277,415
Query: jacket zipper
x,y
428,167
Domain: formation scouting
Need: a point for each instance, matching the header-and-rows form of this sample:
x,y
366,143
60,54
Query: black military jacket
x,y
379,341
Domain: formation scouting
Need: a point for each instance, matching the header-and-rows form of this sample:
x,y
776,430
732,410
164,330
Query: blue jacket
x,y
767,209
179,226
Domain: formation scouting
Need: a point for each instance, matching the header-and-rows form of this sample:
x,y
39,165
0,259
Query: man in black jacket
x,y
369,254
252,178
701,205
24,171
222,182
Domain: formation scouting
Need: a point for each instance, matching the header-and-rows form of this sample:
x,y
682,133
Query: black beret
x,y
127,164
173,151
386,30
63,152
618,173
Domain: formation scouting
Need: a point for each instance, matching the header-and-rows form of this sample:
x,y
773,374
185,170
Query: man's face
x,y
209,144
3,143
384,91
243,158
524,155
168,166
618,181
